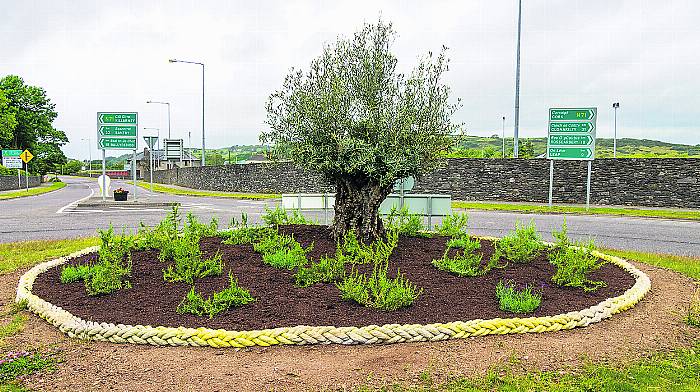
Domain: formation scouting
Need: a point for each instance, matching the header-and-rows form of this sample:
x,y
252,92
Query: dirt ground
x,y
653,325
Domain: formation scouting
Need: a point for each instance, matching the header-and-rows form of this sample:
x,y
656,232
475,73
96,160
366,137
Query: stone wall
x,y
10,182
641,182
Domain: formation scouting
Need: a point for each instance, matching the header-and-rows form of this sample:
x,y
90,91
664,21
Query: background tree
x,y
363,125
33,114
8,122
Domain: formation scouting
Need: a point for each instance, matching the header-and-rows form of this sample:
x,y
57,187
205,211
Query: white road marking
x,y
75,203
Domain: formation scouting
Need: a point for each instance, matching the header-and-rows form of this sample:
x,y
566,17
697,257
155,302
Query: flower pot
x,y
120,196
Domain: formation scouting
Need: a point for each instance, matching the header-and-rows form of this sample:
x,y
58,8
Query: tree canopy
x,y
26,122
362,124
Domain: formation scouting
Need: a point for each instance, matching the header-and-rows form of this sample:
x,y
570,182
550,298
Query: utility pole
x,y
517,84
616,105
503,134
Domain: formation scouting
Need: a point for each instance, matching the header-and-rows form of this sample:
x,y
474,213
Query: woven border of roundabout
x,y
76,327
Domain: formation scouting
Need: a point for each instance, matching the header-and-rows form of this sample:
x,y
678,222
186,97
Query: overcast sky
x,y
102,55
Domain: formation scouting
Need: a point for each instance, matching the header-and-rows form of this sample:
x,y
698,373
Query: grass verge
x,y
196,192
16,255
33,191
689,266
543,209
673,371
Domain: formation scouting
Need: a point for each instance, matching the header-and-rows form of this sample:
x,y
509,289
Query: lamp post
x,y
517,85
616,105
157,141
503,132
204,151
164,103
89,140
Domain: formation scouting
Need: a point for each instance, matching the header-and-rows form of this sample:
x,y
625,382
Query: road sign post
x,y
150,141
26,156
11,160
571,136
116,131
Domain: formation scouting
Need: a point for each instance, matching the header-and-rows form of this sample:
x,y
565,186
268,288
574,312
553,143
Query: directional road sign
x,y
571,133
11,159
117,130
26,156
117,143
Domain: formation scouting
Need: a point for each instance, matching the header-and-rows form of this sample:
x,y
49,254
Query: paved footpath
x,y
54,215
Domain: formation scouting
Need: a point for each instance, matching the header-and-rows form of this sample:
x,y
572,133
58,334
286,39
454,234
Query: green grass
x,y
689,266
196,192
543,209
510,299
33,191
16,255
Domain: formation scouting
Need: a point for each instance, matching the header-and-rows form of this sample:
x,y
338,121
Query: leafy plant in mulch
x,y
405,223
15,364
247,235
232,296
111,271
520,246
466,262
510,299
161,235
282,251
280,216
326,270
574,261
188,263
454,225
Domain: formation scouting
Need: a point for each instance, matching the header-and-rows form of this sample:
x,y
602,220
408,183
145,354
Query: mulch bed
x,y
279,303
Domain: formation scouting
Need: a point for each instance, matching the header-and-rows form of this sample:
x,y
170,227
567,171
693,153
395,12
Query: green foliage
x,y
282,251
520,246
105,278
512,300
280,216
466,261
74,273
26,121
188,262
326,270
454,225
693,315
232,296
14,364
404,222
378,290
247,235
574,261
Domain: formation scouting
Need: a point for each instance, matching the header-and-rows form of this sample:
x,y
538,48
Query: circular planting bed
x,y
279,311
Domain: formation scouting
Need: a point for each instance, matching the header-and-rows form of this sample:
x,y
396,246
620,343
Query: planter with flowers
x,y
120,194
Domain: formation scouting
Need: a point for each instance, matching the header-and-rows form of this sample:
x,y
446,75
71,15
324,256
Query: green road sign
x,y
569,153
118,118
570,140
118,130
571,127
585,114
117,143
11,153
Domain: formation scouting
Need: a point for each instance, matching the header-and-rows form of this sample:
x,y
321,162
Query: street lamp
x,y
157,141
517,85
164,103
503,132
616,105
89,140
202,64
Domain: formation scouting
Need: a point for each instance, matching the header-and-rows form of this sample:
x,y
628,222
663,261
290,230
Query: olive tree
x,y
361,124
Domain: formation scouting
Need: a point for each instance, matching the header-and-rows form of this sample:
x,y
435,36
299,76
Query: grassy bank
x,y
196,192
32,191
543,209
16,255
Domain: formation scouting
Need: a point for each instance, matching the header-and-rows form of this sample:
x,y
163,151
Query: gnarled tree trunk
x,y
357,208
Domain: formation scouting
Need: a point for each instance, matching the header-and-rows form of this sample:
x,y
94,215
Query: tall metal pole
x,y
104,175
588,187
204,151
133,172
168,120
517,85
503,132
615,106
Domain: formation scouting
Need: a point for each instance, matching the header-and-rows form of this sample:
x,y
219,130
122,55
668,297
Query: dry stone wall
x,y
10,182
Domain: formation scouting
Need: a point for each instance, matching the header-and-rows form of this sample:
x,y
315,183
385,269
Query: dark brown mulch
x,y
279,303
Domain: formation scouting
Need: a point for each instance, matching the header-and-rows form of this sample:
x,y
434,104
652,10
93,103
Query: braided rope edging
x,y
76,327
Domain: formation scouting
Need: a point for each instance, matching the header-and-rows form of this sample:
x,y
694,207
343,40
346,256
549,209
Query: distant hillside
x,y
482,147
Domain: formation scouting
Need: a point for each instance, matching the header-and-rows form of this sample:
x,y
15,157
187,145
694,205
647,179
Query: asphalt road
x,y
54,215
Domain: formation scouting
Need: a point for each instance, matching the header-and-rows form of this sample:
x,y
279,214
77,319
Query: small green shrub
x,y
194,228
405,223
326,270
574,261
282,251
105,278
693,316
512,300
247,235
188,263
232,296
522,245
14,364
454,225
280,216
466,262
379,291
74,273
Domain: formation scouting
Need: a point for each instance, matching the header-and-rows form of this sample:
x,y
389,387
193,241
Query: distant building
x,y
159,161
